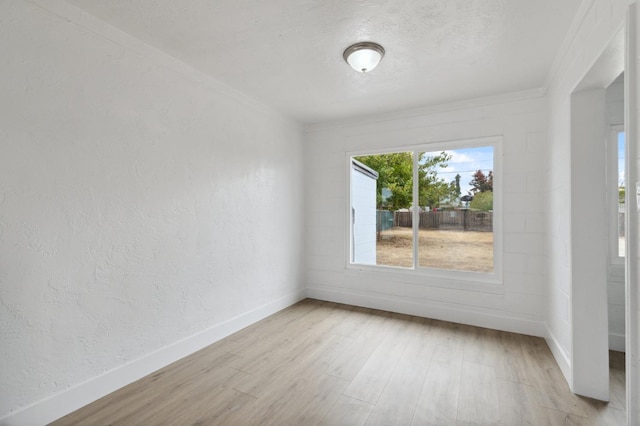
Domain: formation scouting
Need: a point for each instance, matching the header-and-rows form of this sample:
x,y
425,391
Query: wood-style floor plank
x,y
618,380
347,411
398,400
371,334
478,398
368,384
321,363
518,404
438,401
512,364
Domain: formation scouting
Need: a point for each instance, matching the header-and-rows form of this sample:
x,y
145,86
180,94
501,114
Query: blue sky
x,y
465,162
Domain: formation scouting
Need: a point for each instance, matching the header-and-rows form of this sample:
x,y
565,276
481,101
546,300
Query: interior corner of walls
x,y
62,403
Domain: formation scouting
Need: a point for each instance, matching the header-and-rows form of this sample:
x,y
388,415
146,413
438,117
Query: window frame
x,y
463,279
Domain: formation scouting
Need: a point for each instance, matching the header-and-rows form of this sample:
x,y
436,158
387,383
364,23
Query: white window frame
x,y
460,279
612,194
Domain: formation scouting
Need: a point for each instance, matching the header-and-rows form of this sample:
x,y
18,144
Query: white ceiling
x,y
288,53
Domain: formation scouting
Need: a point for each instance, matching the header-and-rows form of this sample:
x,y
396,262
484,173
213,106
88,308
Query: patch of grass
x,y
455,250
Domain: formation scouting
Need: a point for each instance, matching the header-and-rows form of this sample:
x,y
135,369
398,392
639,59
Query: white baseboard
x,y
561,356
429,309
69,400
617,342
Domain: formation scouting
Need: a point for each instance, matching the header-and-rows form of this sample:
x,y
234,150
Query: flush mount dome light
x,y
363,57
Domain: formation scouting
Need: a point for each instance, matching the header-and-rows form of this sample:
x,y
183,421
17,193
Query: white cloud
x,y
466,162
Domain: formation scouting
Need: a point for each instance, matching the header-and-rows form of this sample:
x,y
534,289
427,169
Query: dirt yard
x,y
466,251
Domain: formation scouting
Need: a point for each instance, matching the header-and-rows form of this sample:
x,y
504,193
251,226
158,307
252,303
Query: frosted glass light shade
x,y
363,57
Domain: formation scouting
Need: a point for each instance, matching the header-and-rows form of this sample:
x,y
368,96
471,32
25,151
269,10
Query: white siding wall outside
x,y
363,205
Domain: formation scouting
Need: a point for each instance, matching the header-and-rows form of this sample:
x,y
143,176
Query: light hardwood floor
x,y
319,363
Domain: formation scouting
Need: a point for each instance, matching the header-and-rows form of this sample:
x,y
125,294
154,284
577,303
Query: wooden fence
x,y
466,220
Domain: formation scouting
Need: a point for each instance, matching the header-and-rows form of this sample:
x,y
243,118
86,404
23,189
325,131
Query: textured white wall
x,y
140,202
596,23
517,304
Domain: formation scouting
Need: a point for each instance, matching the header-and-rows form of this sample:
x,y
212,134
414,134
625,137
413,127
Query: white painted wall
x,y
145,210
589,248
518,303
596,23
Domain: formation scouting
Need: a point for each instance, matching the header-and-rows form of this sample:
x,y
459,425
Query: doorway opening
x,y
598,278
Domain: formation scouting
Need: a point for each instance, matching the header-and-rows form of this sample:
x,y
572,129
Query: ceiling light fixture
x,y
363,57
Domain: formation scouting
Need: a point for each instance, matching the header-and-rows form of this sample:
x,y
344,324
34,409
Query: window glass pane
x,y
456,209
621,192
381,198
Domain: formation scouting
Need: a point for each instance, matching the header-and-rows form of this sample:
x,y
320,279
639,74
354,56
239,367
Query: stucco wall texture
x,y
140,203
